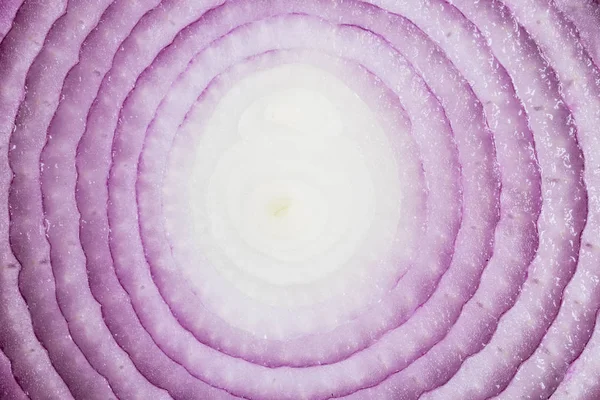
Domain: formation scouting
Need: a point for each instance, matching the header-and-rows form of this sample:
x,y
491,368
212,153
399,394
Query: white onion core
x,y
291,197
285,193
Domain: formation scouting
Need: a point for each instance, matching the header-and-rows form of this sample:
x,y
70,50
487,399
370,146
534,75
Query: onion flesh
x,y
304,199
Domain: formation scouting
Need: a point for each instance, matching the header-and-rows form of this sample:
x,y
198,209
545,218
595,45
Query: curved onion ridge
x,y
468,266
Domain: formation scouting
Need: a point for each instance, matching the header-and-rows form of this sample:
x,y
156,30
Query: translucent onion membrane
x,y
267,199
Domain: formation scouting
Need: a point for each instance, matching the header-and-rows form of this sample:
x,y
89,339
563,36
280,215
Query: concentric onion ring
x,y
299,199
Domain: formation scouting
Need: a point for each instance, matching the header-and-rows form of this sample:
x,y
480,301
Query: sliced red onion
x,y
286,200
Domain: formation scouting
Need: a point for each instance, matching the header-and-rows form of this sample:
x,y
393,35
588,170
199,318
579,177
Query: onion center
x,y
283,190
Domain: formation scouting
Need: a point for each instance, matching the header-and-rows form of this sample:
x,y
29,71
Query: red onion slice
x,y
116,281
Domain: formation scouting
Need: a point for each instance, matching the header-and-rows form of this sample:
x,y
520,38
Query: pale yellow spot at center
x,y
280,207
